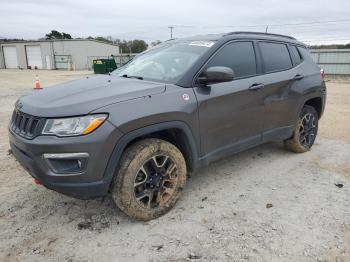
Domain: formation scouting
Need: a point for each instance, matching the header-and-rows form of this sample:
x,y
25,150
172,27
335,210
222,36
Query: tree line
x,y
125,46
346,46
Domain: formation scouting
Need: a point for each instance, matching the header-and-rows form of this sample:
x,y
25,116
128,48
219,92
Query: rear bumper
x,y
91,182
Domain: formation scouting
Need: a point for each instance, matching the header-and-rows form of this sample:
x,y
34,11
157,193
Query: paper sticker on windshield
x,y
202,43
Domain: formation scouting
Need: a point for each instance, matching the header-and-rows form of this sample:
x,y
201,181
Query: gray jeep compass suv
x,y
137,132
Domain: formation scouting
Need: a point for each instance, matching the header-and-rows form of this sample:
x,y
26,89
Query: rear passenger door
x,y
231,113
280,76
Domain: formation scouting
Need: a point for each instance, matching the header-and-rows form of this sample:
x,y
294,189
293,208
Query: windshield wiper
x,y
137,77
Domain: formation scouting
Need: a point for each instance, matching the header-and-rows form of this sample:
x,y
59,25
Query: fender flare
x,y
311,96
121,144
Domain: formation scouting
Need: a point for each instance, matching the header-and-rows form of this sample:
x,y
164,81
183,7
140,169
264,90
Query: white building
x,y
76,54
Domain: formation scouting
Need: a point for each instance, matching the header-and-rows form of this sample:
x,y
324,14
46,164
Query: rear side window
x,y
295,55
276,56
239,56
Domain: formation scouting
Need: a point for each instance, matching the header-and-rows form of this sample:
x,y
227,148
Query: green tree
x,y
126,47
66,36
137,46
54,34
11,39
103,39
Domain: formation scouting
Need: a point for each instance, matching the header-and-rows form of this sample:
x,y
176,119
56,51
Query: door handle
x,y
256,86
298,77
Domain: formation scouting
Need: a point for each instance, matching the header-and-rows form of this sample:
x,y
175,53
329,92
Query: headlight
x,y
73,126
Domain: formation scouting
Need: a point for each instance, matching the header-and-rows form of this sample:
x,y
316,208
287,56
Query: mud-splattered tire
x,y
305,132
150,179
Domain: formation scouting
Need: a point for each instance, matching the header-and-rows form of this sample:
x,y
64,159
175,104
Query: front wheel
x,y
305,132
150,179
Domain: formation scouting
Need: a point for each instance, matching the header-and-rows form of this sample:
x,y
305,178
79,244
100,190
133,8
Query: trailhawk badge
x,y
185,97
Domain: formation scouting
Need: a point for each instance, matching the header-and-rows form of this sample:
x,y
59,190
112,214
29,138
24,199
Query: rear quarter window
x,y
304,52
295,55
275,56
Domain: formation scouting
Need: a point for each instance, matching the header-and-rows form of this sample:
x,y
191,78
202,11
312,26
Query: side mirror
x,y
216,74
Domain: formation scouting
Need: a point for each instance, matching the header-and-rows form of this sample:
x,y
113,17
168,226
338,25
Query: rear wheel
x,y
150,179
305,132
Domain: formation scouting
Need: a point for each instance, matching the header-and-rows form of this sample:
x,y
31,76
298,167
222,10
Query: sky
x,y
311,21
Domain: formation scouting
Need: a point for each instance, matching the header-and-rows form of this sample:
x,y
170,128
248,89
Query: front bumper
x,y
91,182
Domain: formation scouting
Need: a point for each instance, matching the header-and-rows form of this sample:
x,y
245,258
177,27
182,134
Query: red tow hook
x,y
37,181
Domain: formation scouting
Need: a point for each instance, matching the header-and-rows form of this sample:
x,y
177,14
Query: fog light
x,y
67,163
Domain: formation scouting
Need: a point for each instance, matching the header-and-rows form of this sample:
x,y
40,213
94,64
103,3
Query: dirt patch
x,y
342,169
335,123
341,253
337,161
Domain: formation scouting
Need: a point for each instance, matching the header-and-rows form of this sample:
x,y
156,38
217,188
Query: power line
x,y
264,25
314,22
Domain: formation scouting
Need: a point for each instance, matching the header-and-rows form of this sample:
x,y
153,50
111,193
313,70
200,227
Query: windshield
x,y
165,63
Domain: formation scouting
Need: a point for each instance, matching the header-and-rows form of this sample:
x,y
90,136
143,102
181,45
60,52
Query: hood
x,y
82,96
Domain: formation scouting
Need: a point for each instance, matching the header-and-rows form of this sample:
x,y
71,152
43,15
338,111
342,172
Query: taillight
x,y
322,73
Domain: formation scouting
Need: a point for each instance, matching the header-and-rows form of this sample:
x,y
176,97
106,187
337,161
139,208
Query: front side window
x,y
276,56
239,56
167,62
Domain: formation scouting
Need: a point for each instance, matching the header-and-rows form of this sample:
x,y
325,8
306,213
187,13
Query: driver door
x,y
231,113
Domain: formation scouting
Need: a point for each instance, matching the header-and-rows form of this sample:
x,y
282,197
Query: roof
x,y
52,40
245,35
259,33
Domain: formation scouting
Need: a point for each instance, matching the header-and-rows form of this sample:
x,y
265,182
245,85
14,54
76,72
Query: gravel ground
x,y
265,204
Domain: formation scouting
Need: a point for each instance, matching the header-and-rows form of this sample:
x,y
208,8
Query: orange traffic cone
x,y
37,83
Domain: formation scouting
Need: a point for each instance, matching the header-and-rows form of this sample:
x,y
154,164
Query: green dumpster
x,y
104,66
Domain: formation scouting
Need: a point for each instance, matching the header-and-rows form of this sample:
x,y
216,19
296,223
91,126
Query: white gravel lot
x,y
222,216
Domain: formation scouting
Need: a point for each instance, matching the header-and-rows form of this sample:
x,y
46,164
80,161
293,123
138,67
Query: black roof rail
x,y
258,33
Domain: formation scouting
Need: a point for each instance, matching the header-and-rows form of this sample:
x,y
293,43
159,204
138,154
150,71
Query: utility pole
x,y
267,27
171,31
